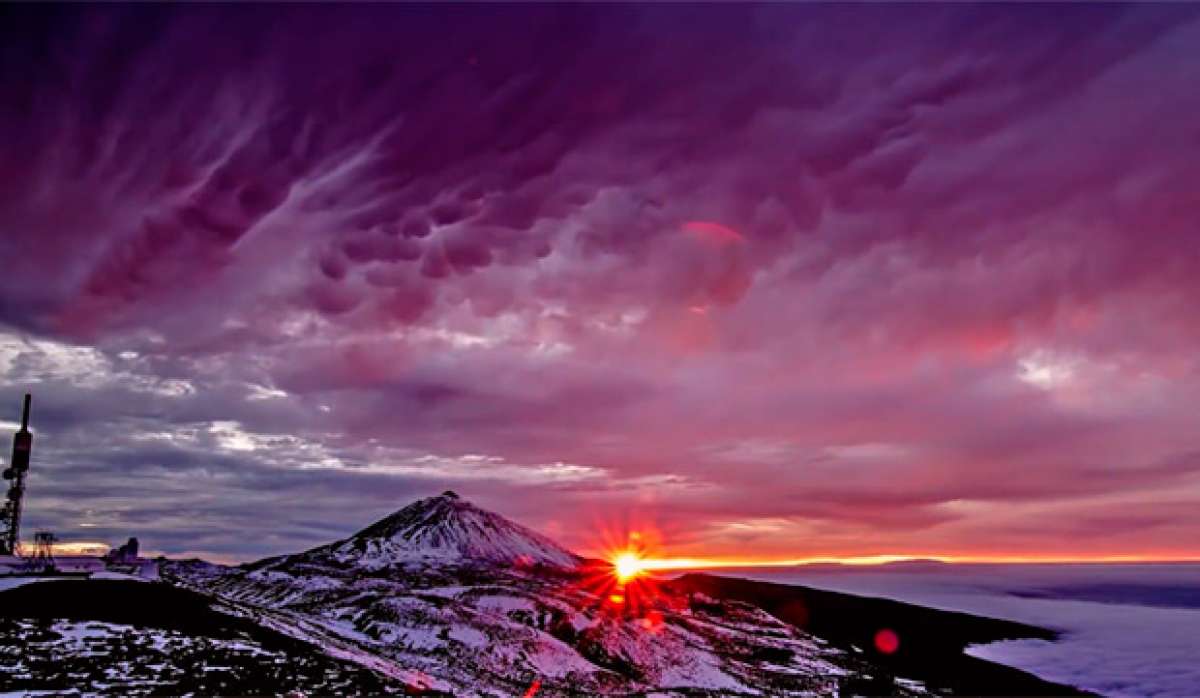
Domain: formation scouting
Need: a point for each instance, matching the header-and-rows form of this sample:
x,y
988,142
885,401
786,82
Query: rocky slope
x,y
129,638
448,598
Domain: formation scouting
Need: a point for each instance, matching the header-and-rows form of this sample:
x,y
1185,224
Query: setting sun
x,y
627,566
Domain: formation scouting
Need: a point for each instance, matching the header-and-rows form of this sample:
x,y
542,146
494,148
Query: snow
x,y
436,591
468,636
447,592
701,672
415,638
344,628
553,658
446,530
83,631
580,621
459,632
503,604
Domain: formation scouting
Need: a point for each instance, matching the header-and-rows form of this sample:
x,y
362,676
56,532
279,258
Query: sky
x,y
773,282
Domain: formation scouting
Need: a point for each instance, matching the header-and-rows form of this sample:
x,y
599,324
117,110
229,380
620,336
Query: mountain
x,y
446,598
445,531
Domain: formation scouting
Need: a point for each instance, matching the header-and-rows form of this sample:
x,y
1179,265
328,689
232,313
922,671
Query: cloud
x,y
846,269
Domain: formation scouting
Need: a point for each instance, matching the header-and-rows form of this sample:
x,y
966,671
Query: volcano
x,y
447,598
444,531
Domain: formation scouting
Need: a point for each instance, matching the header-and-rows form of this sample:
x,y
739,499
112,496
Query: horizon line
x,y
693,563
667,563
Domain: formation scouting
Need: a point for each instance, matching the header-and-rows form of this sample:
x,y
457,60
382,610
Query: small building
x,y
124,553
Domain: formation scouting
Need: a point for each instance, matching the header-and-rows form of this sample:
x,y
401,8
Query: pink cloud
x,y
738,253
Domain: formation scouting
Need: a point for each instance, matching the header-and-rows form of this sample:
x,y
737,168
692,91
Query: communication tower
x,y
10,513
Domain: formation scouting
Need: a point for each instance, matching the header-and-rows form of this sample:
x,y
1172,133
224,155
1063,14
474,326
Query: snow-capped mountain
x,y
446,531
447,598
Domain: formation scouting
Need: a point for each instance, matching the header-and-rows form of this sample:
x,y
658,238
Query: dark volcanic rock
x,y
930,641
122,638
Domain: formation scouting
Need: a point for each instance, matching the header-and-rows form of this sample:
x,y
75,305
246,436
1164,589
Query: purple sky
x,y
780,282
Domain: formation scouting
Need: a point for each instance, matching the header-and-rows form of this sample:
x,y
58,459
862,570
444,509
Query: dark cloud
x,y
868,278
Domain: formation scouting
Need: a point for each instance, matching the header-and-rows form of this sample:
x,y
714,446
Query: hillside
x,y
477,605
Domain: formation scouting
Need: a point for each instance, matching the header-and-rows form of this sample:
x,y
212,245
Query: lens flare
x,y
621,577
887,641
627,565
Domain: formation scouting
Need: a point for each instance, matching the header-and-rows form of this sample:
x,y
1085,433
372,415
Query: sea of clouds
x,y
1128,630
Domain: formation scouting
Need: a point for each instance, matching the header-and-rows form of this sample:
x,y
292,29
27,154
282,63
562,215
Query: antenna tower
x,y
10,512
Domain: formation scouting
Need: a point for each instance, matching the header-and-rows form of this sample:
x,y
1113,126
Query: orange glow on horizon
x,y
636,551
697,563
68,548
639,543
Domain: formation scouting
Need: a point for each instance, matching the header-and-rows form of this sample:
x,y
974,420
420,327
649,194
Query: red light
x,y
621,583
886,641
652,620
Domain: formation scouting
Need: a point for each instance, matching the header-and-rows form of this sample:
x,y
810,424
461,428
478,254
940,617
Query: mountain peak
x,y
447,530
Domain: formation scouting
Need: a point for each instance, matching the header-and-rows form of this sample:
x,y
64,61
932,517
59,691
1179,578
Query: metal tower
x,y
10,514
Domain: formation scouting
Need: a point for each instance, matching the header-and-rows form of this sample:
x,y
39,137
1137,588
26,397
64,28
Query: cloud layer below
x,y
779,281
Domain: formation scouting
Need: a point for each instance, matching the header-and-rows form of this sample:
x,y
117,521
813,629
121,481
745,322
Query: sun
x,y
623,582
627,565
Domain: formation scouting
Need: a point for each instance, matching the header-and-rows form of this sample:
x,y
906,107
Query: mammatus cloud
x,y
796,280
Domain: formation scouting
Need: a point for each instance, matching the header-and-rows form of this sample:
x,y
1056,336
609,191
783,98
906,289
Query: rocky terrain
x,y
443,598
130,638
446,597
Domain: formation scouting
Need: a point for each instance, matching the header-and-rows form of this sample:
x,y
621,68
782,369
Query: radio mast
x,y
10,514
